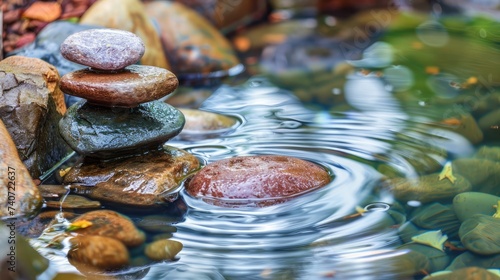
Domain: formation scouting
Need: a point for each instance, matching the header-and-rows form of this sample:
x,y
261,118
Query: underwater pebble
x,y
436,216
467,259
438,260
255,178
103,49
111,224
407,230
97,253
467,204
130,87
466,273
491,153
483,174
164,249
157,223
479,234
428,188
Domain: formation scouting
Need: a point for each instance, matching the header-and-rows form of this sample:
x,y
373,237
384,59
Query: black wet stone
x,y
104,133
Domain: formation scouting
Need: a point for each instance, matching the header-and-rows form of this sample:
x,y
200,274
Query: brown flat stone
x,y
139,181
134,85
104,49
266,177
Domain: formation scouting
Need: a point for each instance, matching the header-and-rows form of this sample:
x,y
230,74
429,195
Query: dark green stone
x,y
104,132
438,259
468,259
479,234
436,216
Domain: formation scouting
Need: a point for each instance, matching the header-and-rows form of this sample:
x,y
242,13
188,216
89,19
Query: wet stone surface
x,y
142,181
31,105
470,273
102,132
192,44
130,87
103,49
257,178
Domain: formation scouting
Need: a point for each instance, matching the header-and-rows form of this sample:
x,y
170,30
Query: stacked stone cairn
x,y
120,113
119,126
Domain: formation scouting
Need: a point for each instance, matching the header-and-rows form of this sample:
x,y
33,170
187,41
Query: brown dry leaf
x,y
43,11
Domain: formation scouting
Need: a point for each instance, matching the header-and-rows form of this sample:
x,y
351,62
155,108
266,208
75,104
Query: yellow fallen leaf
x,y
78,225
447,172
497,213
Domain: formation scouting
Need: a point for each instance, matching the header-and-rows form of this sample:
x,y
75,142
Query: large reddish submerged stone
x,y
271,178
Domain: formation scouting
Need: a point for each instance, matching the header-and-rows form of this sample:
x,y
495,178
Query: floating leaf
x,y
434,239
447,172
78,225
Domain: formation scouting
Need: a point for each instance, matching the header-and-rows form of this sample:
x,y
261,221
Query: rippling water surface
x,y
296,237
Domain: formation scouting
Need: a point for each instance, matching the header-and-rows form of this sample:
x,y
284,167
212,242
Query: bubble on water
x,y
432,33
400,77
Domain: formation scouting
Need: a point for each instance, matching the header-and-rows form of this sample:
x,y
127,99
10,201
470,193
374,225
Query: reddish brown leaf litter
x,y
23,19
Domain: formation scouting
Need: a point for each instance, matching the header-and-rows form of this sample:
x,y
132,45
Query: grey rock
x,y
104,49
102,132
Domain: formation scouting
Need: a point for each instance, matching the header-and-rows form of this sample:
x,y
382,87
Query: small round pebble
x,y
134,85
164,249
103,49
97,253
